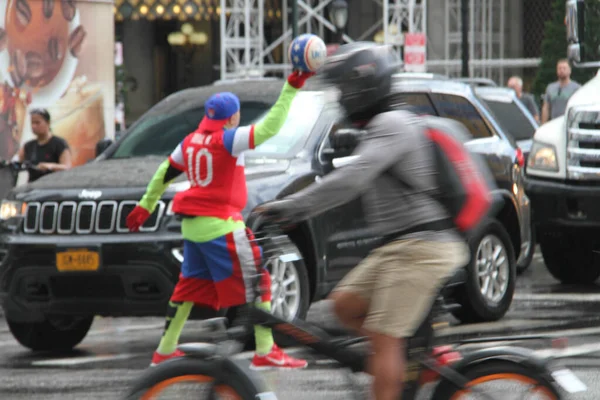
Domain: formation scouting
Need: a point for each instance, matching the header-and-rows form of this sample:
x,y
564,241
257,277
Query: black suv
x,y
66,255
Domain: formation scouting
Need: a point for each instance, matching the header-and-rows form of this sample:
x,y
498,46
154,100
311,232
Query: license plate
x,y
77,260
568,381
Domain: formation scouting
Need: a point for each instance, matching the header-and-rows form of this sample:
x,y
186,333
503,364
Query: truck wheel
x,y
54,333
488,292
570,257
523,265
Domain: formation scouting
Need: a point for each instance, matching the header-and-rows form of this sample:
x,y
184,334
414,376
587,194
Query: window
x,y
511,118
159,132
304,112
418,102
460,109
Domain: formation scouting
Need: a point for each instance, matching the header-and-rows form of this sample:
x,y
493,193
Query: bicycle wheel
x,y
498,380
187,378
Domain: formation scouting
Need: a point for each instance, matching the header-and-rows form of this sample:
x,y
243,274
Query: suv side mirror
x,y
102,145
580,49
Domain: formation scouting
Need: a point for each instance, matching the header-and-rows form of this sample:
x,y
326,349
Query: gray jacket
x,y
394,146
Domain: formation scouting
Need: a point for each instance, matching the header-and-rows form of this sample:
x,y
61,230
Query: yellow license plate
x,y
77,260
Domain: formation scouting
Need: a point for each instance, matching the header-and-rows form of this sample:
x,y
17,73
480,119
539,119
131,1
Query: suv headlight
x,y
12,209
542,157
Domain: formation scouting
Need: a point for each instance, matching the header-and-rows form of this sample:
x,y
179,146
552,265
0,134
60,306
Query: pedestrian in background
x,y
516,84
48,152
558,93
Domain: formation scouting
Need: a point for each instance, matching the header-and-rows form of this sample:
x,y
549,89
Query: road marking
x,y
574,297
119,329
503,325
61,362
570,351
10,342
543,335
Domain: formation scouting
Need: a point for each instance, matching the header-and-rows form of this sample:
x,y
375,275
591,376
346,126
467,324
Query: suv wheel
x,y
488,292
290,291
54,333
289,288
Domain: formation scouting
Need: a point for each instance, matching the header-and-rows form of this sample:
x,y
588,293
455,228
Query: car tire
x,y
523,265
478,303
570,257
284,272
52,334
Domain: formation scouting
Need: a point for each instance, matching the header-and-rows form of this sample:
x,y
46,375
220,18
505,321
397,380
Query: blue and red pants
x,y
221,273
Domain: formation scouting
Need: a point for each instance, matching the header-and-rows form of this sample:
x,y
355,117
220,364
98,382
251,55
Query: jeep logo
x,y
90,194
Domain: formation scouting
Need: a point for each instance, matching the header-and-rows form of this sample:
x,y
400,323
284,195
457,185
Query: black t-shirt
x,y
49,152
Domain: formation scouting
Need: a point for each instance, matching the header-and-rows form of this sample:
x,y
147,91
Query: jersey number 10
x,y
195,168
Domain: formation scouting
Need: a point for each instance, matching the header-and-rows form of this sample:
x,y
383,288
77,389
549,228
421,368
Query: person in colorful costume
x,y
218,252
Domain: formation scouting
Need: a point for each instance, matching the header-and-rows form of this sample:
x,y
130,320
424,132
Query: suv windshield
x,y
510,117
158,133
303,114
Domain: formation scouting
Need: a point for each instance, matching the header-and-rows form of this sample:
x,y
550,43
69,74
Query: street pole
x,y
294,19
464,12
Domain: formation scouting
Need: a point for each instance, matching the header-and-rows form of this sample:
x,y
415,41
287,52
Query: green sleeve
x,y
156,187
276,117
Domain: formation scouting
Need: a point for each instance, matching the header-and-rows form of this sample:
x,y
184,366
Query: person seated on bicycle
x,y
47,152
387,296
219,255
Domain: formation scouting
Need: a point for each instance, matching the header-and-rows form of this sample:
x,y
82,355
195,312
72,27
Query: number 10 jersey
x,y
214,165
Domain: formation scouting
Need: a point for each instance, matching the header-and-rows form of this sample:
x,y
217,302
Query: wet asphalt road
x,y
116,351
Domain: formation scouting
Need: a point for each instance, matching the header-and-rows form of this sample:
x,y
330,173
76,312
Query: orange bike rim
x,y
222,390
497,377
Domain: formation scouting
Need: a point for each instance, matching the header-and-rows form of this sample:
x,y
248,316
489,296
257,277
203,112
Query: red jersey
x,y
214,165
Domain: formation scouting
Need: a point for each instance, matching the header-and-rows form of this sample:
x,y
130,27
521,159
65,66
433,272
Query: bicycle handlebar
x,y
18,165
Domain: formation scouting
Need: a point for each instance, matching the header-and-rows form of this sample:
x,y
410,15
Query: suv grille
x,y
69,217
583,147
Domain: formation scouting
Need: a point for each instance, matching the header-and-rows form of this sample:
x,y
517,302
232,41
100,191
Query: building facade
x,y
505,38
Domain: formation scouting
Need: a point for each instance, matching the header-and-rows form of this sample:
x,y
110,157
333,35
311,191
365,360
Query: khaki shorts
x,y
401,281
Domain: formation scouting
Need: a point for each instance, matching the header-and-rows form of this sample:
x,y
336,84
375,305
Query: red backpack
x,y
463,188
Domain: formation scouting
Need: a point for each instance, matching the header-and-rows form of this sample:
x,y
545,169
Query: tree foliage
x,y
554,45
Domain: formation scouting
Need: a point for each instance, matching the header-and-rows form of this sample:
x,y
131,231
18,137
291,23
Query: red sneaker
x,y
276,359
157,358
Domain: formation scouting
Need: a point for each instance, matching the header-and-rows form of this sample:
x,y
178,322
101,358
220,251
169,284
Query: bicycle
x,y
453,373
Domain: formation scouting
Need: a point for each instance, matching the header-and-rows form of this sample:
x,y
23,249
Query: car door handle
x,y
318,179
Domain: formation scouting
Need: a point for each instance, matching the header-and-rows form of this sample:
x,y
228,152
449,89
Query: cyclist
x,y
387,295
50,153
217,247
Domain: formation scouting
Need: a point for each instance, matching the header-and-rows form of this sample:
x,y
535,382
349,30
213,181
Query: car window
x,y
418,102
511,118
302,116
159,133
460,109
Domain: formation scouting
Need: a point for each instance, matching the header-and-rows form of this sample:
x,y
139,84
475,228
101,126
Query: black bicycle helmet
x,y
362,72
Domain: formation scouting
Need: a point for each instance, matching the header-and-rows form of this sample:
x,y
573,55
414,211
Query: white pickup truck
x,y
563,174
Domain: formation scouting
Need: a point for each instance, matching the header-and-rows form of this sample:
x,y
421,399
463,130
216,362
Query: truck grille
x,y
583,147
85,217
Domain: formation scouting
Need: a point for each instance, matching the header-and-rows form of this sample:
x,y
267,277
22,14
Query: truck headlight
x,y
542,157
12,209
